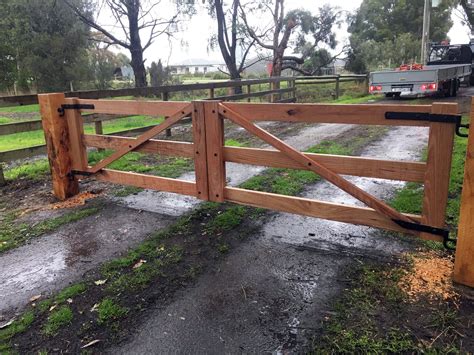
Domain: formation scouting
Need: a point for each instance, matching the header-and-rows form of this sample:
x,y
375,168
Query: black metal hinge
x,y
430,117
64,107
429,229
74,173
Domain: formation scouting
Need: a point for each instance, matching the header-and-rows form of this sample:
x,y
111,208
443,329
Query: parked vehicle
x,y
449,67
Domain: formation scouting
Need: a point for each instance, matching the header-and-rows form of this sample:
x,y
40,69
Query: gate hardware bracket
x,y
73,173
429,229
430,117
64,107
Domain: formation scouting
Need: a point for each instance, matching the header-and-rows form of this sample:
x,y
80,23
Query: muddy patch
x,y
52,262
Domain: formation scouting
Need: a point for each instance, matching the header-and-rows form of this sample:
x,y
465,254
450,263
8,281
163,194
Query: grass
x,y
348,99
22,108
292,182
410,198
13,234
70,292
17,327
58,319
374,316
135,162
109,311
28,139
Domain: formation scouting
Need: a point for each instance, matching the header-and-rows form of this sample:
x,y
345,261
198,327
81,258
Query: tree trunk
x,y
138,67
136,49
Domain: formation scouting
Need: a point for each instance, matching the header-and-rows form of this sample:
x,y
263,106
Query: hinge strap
x,y
74,107
428,229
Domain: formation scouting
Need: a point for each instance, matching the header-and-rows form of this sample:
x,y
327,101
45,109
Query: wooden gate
x,y
67,151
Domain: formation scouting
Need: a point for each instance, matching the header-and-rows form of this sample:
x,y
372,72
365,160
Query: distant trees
x,y
42,45
389,31
158,74
135,18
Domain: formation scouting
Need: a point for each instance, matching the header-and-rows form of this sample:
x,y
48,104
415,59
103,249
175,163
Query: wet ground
x,y
265,296
271,293
53,261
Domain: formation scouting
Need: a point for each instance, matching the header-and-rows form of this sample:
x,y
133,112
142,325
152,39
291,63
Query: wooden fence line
x,y
163,91
167,89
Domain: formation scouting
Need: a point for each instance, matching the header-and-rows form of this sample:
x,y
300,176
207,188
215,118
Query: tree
x,y
290,28
135,17
467,15
46,42
158,74
230,36
102,63
390,31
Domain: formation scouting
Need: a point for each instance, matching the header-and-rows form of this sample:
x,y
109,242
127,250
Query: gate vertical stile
x,y
200,150
464,261
75,128
438,170
215,151
57,138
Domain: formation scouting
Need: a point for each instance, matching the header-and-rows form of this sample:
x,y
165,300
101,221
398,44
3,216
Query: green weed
x,y
109,311
58,319
70,292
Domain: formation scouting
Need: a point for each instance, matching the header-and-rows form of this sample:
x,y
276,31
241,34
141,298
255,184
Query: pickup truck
x,y
448,68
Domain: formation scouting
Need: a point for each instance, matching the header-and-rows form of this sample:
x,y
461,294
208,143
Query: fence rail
x,y
275,93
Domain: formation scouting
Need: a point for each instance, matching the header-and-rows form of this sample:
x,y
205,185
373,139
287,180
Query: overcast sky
x,y
192,41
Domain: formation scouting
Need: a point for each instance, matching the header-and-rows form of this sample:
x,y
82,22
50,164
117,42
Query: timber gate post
x,y
61,147
464,262
440,152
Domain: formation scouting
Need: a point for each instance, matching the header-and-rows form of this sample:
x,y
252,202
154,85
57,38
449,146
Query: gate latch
x,y
64,107
430,117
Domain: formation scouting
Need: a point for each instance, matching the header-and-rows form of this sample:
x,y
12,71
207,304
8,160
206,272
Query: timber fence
x,y
250,89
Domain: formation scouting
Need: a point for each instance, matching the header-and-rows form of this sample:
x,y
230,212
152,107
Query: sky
x,y
192,41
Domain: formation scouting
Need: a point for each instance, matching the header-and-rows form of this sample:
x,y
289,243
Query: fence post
x,y
215,151
366,85
249,91
464,261
211,93
58,145
165,97
99,130
200,150
438,169
336,96
2,177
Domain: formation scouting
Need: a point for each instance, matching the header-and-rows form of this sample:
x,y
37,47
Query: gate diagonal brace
x,y
313,165
430,117
140,140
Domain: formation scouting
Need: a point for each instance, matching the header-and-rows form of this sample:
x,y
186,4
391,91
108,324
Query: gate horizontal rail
x,y
210,155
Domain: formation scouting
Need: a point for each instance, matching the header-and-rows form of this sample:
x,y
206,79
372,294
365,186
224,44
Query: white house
x,y
197,66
